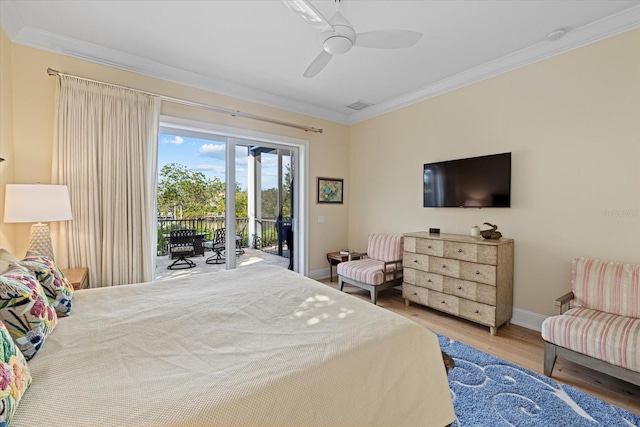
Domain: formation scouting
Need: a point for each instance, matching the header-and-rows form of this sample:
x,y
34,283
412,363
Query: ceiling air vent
x,y
359,105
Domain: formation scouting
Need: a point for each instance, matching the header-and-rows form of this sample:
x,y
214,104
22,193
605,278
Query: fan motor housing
x,y
339,41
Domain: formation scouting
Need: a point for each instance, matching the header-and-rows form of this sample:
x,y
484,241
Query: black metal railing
x,y
206,225
271,234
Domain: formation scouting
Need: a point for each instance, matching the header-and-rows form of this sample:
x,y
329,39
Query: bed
x,y
256,346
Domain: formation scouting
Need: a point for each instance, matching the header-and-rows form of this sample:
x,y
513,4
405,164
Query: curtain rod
x,y
233,113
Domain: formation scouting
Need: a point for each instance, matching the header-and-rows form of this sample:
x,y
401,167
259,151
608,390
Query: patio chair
x,y
379,269
217,245
181,246
239,237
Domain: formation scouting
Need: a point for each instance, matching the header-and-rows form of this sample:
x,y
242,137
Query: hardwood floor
x,y
516,344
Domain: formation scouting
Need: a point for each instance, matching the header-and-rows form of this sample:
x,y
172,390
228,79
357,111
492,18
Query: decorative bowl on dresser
x,y
469,277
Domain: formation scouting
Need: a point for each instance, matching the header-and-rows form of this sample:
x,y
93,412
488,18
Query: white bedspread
x,y
253,346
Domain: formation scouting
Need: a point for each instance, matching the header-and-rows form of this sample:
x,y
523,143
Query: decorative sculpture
x,y
492,234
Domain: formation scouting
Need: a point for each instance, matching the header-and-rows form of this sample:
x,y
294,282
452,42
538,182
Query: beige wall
x,y
572,123
33,107
7,231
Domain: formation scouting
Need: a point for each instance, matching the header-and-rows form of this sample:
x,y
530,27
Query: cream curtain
x,y
105,150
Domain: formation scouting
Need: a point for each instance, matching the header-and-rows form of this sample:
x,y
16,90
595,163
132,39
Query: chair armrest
x,y
397,269
562,303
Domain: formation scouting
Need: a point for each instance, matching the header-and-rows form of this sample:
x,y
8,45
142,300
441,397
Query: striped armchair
x,y
380,269
598,322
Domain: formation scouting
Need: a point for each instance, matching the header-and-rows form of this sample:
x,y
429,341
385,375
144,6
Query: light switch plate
x,y
320,219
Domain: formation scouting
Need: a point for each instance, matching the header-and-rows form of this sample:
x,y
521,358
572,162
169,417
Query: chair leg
x,y
549,358
181,263
340,282
374,296
216,258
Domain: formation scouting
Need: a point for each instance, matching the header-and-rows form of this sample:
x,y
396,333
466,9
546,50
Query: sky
x,y
208,156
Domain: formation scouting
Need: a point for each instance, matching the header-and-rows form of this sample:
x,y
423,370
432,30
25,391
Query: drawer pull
x,y
444,266
429,247
459,250
476,312
415,293
415,260
442,302
459,287
429,280
477,272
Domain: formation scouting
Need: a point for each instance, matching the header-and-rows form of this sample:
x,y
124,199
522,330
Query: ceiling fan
x,y
338,36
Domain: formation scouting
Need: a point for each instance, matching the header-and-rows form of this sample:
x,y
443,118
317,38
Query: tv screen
x,y
479,182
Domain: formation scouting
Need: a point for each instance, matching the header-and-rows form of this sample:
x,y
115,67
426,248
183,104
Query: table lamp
x,y
37,203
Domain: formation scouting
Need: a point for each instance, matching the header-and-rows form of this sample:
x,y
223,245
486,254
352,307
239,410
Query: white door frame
x,y
300,221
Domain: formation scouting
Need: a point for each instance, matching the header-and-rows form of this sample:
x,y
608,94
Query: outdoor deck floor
x,y
250,257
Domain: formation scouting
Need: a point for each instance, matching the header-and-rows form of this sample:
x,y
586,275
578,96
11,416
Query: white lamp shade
x,y
36,203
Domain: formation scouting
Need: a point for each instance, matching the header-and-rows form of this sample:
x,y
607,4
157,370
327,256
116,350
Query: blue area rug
x,y
489,391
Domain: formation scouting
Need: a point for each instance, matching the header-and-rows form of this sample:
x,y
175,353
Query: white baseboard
x,y
527,319
323,273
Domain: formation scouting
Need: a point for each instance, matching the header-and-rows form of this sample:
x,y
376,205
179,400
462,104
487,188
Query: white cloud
x,y
216,169
212,150
176,140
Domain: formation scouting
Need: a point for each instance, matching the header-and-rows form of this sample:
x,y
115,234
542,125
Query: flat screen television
x,y
479,182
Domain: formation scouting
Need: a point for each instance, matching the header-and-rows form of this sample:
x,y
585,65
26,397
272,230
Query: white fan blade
x,y
388,39
318,64
309,14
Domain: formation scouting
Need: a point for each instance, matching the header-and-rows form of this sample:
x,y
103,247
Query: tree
x,y
188,194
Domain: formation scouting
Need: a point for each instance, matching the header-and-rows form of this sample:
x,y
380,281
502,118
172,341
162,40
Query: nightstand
x,y
79,277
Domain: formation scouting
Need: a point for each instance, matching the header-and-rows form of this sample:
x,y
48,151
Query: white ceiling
x,y
258,49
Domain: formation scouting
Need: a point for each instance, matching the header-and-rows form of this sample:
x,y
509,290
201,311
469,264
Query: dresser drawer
x,y
460,288
475,311
410,244
417,261
478,272
444,302
483,254
473,291
446,266
429,280
462,251
487,254
430,247
415,294
409,275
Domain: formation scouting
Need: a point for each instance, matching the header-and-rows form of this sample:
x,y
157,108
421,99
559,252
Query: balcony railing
x,y
270,233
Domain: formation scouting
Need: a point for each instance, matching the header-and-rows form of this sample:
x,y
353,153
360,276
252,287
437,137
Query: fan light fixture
x,y
337,45
37,203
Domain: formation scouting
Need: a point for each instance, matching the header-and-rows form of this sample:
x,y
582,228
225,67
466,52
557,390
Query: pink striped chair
x,y
598,322
380,269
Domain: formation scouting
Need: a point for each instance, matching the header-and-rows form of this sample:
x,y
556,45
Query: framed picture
x,y
330,190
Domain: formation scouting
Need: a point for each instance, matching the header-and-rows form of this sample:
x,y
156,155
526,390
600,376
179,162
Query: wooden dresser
x,y
466,276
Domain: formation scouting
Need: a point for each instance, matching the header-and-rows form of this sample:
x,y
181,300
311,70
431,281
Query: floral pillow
x,y
25,310
15,377
56,287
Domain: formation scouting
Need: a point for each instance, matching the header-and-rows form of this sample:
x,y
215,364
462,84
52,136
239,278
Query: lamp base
x,y
40,240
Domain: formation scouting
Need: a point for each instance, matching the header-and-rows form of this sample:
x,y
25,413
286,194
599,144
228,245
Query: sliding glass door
x,y
255,201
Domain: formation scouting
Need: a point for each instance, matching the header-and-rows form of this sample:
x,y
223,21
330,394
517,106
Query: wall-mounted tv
x,y
479,182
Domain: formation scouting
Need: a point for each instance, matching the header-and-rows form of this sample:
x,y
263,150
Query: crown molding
x,y
15,29
594,32
10,20
36,38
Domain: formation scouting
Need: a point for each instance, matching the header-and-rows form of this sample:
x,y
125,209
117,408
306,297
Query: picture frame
x,y
330,190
